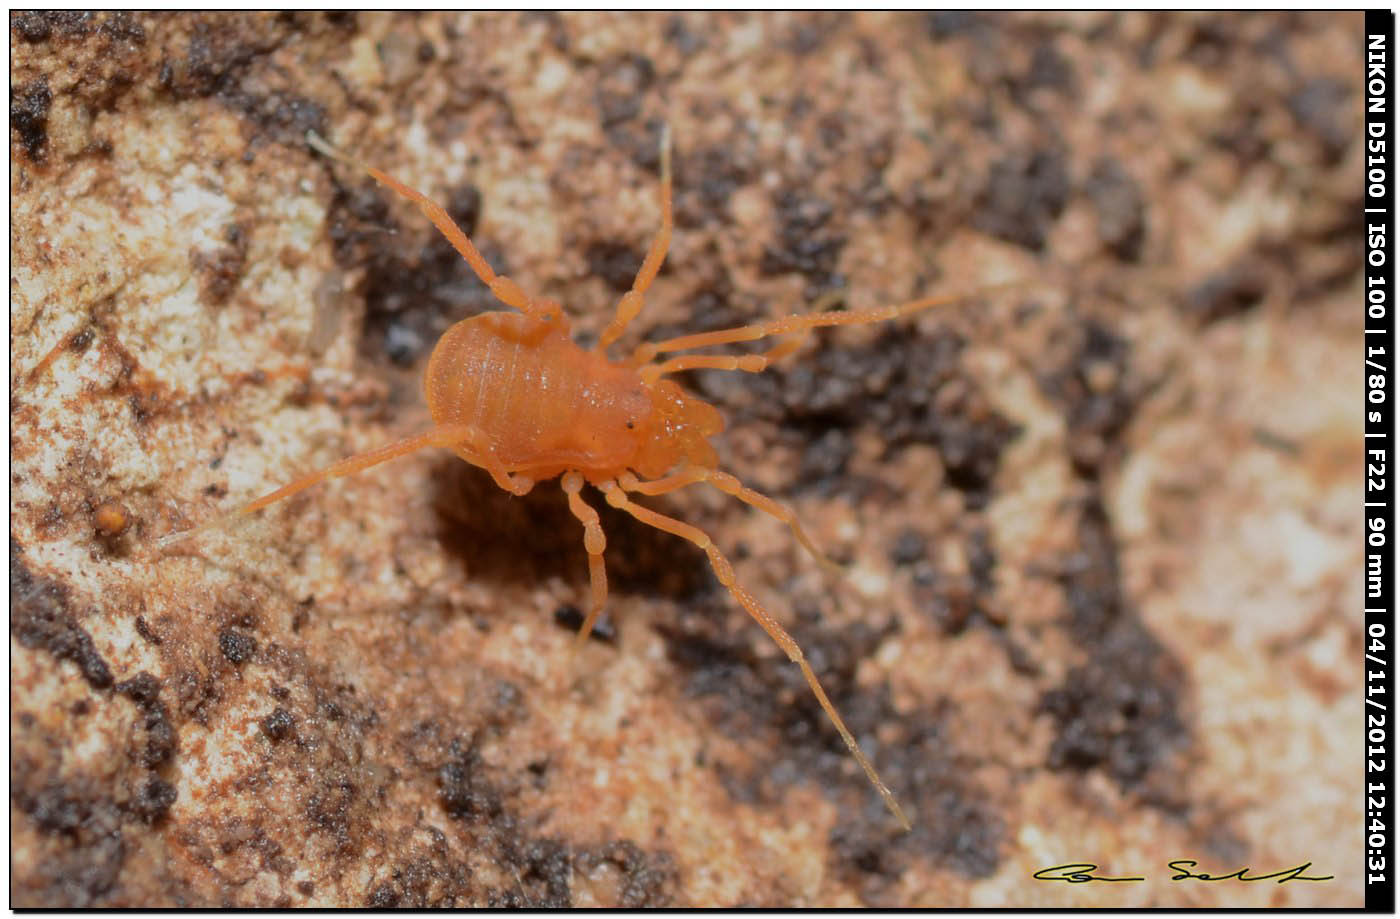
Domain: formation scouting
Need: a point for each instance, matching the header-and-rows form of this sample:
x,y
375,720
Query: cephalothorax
x,y
511,392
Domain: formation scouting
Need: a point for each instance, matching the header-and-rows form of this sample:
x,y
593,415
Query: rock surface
x,y
1100,532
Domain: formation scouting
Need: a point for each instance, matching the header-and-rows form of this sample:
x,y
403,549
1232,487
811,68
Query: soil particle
x,y
539,868
1023,197
382,896
218,52
622,87
615,262
278,725
803,244
237,647
1049,69
1121,210
908,548
466,793
543,870
1228,293
706,180
1096,391
685,39
1323,107
946,24
221,270
89,816
143,628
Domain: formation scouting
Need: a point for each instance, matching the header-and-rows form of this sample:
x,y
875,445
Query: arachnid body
x,y
511,392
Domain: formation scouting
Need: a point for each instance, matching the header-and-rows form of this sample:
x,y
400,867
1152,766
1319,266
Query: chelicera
x,y
511,392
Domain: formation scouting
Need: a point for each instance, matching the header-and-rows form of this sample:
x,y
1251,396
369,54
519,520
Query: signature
x,y
1182,868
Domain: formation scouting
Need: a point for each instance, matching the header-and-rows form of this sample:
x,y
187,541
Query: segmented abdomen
x,y
539,398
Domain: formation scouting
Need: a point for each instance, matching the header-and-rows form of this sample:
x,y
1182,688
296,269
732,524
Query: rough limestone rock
x,y
1100,532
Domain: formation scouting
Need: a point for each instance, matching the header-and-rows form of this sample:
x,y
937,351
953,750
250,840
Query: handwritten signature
x,y
1083,873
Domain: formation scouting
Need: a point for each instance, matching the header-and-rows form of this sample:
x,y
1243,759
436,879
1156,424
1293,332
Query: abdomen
x,y
539,398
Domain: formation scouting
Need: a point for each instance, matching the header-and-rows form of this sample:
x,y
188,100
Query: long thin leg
x,y
631,303
725,572
594,543
445,436
506,290
797,323
730,486
749,363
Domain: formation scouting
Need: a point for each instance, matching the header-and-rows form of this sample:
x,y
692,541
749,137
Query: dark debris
x,y
804,245
1097,392
910,389
41,25
1120,711
413,293
41,618
161,737
570,618
29,116
753,696
1120,207
1024,196
221,269
237,647
278,725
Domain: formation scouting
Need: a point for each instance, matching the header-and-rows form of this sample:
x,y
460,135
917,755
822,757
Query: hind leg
x,y
725,572
457,435
450,435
